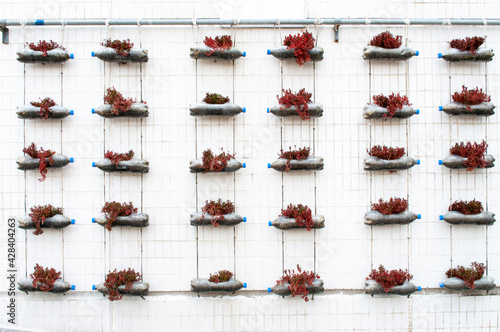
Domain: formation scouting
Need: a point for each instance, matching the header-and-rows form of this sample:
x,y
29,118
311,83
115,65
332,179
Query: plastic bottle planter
x,y
377,164
202,51
56,222
134,220
108,54
308,164
457,162
372,111
407,288
57,55
60,286
456,218
285,223
138,110
31,112
196,166
138,288
203,286
315,110
378,53
375,218
282,53
27,163
205,109
130,166
458,285
454,108
205,219
282,290
454,55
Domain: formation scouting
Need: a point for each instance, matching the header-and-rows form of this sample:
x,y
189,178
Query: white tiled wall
x,y
170,252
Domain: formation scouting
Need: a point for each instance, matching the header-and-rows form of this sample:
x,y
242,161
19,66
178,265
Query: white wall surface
x,y
170,252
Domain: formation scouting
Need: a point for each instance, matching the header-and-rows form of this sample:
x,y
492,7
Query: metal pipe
x,y
254,22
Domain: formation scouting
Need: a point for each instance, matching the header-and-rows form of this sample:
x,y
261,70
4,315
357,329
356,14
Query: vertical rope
x,y
142,153
62,170
370,129
25,176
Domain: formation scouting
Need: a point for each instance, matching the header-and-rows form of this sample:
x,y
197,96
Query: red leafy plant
x,y
469,44
117,157
39,213
301,213
115,278
464,207
473,152
44,105
44,46
470,97
394,205
44,278
219,43
389,279
218,209
300,154
44,156
221,276
117,101
468,275
215,163
392,102
122,47
115,209
215,98
297,281
300,44
386,153
299,100
386,40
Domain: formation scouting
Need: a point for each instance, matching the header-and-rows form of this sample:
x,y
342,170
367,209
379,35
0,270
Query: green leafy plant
x,y
44,278
474,153
219,43
389,279
297,281
44,46
39,213
392,102
115,278
386,153
464,207
386,40
117,101
44,105
469,44
218,209
122,47
117,157
300,154
299,100
301,45
215,163
468,275
215,98
45,157
221,276
115,209
301,213
470,97
394,205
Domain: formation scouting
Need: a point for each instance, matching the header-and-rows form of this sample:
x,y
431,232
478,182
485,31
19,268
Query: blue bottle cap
x,y
93,111
417,112
419,288
244,219
441,284
268,51
268,110
244,110
71,160
71,112
268,165
419,216
93,54
244,285
269,289
418,161
441,217
71,56
441,108
93,164
244,54
244,165
93,287
72,221
73,287
440,55
270,223
440,162
93,220
417,53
